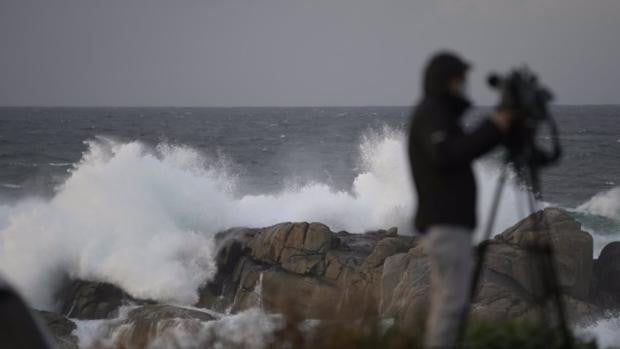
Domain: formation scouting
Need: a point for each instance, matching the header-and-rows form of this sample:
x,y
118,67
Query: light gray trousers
x,y
451,260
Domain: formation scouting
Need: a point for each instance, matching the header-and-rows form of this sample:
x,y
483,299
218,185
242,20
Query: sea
x,y
133,196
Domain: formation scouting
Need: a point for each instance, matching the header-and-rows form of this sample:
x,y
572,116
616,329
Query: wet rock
x,y
307,263
93,300
608,268
510,253
155,325
511,279
232,247
322,274
405,285
606,288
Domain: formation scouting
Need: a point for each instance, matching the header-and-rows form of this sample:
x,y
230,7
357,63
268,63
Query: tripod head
x,y
521,93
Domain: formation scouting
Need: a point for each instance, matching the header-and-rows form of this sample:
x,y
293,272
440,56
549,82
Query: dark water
x,y
267,145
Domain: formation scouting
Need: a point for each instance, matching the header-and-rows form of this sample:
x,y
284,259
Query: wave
x,y
60,164
606,204
11,186
605,332
143,218
251,328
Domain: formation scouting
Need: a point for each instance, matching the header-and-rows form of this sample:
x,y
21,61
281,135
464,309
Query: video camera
x,y
521,93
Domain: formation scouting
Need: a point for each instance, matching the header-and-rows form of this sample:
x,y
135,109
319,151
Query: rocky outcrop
x,y
93,300
605,289
349,273
512,253
148,324
289,262
307,269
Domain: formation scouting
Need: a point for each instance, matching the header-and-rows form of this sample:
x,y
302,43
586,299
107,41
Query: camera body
x,y
521,93
528,101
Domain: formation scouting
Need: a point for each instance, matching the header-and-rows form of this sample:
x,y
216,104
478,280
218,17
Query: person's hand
x,y
502,120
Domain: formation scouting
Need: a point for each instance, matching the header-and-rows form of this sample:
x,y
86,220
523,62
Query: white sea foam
x,y
11,186
251,329
142,218
604,331
606,204
119,219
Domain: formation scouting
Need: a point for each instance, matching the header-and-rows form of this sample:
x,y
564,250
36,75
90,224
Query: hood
x,y
442,68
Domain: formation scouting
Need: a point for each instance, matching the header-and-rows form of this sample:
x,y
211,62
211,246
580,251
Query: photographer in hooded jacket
x,y
441,155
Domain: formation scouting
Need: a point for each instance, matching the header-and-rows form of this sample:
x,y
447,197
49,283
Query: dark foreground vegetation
x,y
516,334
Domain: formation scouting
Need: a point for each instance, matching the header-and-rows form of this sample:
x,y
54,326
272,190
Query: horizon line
x,y
276,106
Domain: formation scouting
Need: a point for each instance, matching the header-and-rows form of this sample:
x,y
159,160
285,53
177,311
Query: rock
x,y
581,313
277,290
321,274
60,328
608,268
404,287
384,249
232,247
606,289
317,238
269,243
495,302
303,261
510,252
510,279
93,300
155,324
393,269
296,247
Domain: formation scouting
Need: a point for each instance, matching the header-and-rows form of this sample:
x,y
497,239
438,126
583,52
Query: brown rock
x,y
384,249
318,238
269,243
149,323
93,300
572,249
322,273
275,290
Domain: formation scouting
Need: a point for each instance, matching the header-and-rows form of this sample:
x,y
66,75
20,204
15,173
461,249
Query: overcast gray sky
x,y
294,52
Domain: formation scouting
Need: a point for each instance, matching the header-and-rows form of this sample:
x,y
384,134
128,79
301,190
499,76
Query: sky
x,y
295,52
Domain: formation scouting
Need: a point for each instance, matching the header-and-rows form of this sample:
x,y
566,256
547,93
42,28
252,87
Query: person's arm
x,y
448,150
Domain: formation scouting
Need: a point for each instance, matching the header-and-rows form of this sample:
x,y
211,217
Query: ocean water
x,y
133,196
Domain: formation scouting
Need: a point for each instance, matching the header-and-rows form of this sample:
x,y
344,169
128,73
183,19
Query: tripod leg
x,y
549,273
481,251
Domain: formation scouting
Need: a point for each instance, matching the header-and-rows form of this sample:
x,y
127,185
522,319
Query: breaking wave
x,y
606,204
251,328
143,218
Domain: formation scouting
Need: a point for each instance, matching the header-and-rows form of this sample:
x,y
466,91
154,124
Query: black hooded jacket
x,y
441,153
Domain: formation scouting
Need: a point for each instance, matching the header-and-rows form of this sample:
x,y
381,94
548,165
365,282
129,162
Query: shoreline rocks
x,y
306,269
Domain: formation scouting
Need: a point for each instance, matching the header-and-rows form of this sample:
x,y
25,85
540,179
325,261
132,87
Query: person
x,y
441,155
19,328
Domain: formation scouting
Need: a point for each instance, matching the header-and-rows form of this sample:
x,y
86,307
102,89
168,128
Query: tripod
x,y
541,250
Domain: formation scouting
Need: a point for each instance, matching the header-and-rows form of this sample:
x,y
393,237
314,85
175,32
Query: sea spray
x,y
143,218
606,204
251,328
600,216
115,219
